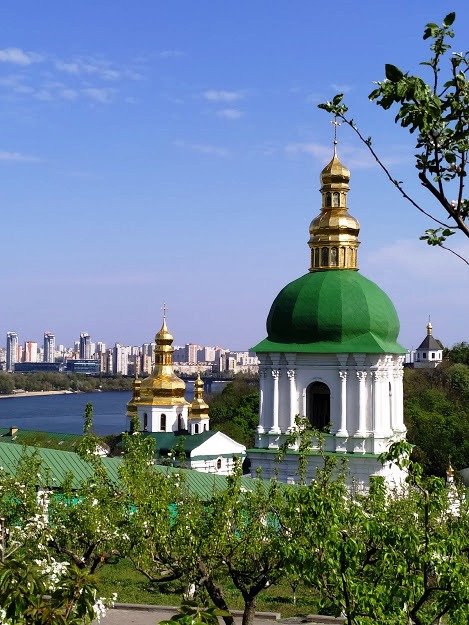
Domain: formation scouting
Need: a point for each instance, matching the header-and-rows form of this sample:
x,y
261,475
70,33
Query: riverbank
x,y
35,394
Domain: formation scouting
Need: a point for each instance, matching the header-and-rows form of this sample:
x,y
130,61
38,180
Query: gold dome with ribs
x,y
334,232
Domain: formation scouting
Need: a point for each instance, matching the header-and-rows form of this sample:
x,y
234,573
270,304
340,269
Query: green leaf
x,y
393,73
337,99
430,31
449,19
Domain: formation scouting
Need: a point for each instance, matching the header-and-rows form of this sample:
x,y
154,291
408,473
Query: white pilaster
x,y
275,429
342,431
262,376
398,401
293,401
361,375
378,416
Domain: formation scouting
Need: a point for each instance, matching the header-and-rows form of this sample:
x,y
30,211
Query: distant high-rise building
x,y
120,359
49,347
30,351
191,353
12,350
206,354
100,347
85,346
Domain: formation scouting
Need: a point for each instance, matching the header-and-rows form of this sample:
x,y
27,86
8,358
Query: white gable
x,y
217,445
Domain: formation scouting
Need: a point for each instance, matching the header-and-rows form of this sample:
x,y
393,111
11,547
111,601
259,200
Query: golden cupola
x,y
334,232
163,387
132,404
198,409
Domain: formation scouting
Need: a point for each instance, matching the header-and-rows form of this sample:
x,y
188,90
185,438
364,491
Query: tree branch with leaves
x,y
438,112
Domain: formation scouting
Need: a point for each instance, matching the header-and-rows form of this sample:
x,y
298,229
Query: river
x,y
64,413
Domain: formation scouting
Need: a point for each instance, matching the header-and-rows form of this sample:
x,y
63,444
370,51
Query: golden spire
x,y
429,327
449,472
132,404
334,232
198,408
163,387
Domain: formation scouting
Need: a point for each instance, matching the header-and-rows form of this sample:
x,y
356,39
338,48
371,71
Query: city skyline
x,y
171,153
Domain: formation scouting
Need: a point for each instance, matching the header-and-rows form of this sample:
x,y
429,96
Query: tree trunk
x,y
215,593
250,604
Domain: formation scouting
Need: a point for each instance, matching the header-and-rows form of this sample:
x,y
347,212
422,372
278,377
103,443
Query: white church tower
x,y
159,400
429,354
331,353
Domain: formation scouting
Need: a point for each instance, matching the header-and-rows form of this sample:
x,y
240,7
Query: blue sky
x,y
170,152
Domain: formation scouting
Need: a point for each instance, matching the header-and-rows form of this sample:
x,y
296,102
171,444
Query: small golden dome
x,y
334,171
164,336
163,387
341,222
132,404
198,408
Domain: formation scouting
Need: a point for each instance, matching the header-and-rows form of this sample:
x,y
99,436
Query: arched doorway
x,y
318,405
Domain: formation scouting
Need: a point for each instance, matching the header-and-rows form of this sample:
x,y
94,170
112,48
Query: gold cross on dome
x,y
336,124
164,309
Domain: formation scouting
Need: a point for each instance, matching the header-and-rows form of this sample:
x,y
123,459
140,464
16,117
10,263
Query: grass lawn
x,y
133,587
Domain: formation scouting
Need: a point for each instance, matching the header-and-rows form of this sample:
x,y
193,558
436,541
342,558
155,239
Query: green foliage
x,y
437,111
436,413
235,411
190,613
51,381
7,384
459,353
382,557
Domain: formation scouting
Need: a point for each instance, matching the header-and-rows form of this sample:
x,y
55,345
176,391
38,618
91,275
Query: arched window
x,y
163,423
334,255
318,405
324,257
205,427
196,428
335,200
218,464
316,257
328,199
180,422
145,421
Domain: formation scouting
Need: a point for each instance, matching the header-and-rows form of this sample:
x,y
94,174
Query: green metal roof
x,y
38,437
58,464
166,441
336,311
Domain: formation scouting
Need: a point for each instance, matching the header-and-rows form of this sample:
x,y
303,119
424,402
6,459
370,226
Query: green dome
x,y
332,312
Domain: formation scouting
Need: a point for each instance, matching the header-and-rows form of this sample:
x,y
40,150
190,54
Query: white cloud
x,y
86,66
101,95
341,88
68,94
204,148
420,263
44,95
422,280
317,150
222,96
18,56
230,113
170,54
356,158
18,157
